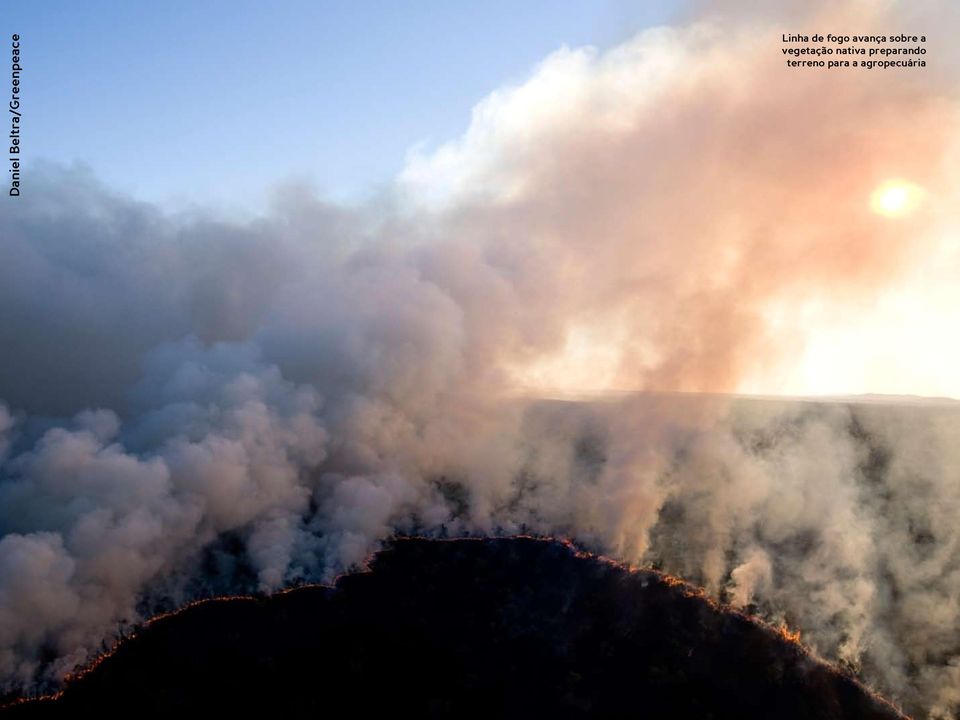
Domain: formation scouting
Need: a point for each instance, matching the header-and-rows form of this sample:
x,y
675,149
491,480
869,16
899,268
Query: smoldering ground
x,y
191,400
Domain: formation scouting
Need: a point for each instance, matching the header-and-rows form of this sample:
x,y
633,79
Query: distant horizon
x,y
865,398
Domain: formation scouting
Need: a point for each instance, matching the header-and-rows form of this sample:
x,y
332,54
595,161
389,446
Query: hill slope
x,y
466,628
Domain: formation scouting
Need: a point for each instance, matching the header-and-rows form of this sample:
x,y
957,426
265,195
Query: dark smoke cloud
x,y
287,392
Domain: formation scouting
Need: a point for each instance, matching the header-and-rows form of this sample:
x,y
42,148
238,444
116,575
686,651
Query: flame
x,y
791,636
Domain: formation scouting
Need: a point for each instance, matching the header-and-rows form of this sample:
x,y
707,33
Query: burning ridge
x,y
518,627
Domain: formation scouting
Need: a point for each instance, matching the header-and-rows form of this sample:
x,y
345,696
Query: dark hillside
x,y
468,628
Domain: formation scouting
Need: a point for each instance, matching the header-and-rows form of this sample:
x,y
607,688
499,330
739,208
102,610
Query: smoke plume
x,y
195,404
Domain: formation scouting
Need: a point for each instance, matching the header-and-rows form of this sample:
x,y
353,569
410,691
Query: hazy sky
x,y
214,101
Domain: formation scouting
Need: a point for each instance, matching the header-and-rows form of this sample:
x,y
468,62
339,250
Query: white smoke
x,y
195,404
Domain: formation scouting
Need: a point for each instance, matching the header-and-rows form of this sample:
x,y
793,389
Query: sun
x,y
896,198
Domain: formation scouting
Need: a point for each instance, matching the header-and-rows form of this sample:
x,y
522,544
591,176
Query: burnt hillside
x,y
467,628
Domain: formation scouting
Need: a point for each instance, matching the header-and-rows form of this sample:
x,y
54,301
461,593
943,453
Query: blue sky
x,y
213,102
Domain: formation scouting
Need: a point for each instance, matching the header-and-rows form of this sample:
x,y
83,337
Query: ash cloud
x,y
306,384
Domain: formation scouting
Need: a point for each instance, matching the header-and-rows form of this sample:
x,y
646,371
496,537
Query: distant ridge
x,y
608,394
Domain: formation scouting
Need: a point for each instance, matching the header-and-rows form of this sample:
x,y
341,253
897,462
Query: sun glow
x,y
896,198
